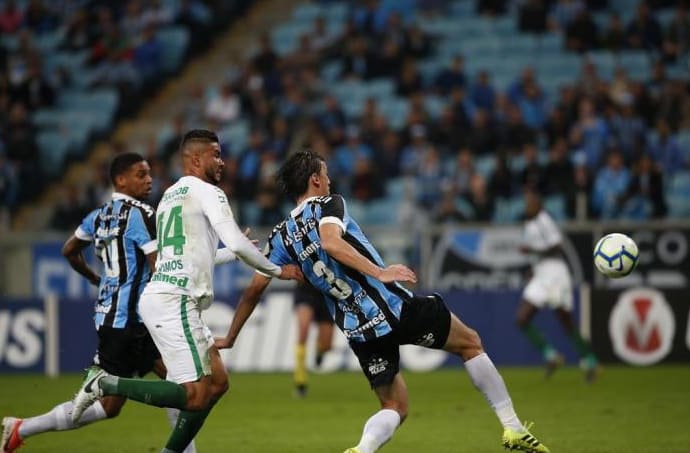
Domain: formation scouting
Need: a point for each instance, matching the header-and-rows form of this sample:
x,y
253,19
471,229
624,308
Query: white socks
x,y
172,418
486,378
60,419
378,430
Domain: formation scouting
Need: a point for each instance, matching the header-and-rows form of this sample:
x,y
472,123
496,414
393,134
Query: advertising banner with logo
x,y
641,326
22,335
643,319
268,338
490,258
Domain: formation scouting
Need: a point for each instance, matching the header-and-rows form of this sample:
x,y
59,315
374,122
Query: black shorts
x,y
126,352
308,295
425,321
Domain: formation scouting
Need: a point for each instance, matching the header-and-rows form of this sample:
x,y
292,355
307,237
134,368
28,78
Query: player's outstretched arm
x,y
72,250
333,243
248,301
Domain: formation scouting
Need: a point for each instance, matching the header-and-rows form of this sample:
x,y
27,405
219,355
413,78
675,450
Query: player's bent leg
x,y
588,360
382,425
190,422
552,357
465,342
324,341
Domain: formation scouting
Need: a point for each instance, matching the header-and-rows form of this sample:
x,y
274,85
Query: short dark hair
x,y
198,136
122,162
293,176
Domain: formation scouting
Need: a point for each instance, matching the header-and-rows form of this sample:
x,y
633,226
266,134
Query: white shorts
x,y
550,286
182,338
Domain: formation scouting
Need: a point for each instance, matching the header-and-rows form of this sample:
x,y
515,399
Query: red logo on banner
x,y
642,326
653,340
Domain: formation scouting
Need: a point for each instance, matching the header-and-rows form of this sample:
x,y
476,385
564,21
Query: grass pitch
x,y
640,410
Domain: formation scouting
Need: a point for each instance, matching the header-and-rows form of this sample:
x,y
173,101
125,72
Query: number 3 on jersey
x,y
339,288
173,234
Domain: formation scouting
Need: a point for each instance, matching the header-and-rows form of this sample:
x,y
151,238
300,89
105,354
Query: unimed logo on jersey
x,y
642,326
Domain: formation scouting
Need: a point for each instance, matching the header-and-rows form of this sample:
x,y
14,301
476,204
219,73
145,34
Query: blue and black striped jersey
x,y
123,231
362,307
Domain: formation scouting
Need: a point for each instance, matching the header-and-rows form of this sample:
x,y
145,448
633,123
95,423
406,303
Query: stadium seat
x,y
382,212
175,41
556,206
53,147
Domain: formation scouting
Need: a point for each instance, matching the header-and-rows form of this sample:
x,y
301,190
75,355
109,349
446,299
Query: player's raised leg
x,y
465,342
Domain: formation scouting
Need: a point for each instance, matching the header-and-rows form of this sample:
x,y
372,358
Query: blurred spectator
x,y
266,59
388,155
446,211
502,183
11,17
428,174
157,14
556,126
366,185
34,91
559,174
148,54
589,134
627,129
491,7
389,63
610,186
665,151
224,108
38,18
483,94
359,62
533,107
532,16
448,133
8,190
532,176
320,37
346,157
268,201
480,199
482,135
513,132
451,77
412,154
677,38
644,31
564,12
581,34
417,44
614,37
72,207
409,80
461,173
645,192
20,145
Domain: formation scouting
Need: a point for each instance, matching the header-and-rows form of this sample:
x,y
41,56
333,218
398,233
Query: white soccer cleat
x,y
11,440
88,394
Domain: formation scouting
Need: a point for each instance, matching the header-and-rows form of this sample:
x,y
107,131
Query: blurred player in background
x,y
192,216
550,286
375,313
310,306
123,232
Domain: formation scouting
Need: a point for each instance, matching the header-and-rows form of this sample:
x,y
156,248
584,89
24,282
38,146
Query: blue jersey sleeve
x,y
87,230
276,251
141,230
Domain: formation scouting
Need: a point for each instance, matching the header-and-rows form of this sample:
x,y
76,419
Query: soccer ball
x,y
615,255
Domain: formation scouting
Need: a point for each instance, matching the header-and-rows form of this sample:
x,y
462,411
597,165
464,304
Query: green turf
x,y
628,410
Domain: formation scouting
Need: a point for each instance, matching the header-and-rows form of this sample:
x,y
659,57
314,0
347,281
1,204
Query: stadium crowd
x,y
121,49
610,139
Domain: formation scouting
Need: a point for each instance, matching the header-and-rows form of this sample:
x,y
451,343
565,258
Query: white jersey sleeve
x,y
216,207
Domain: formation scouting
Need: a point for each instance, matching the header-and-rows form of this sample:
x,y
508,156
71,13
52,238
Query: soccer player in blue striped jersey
x,y
123,233
373,310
